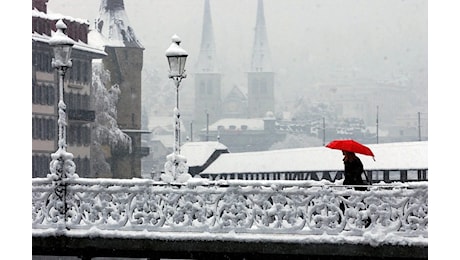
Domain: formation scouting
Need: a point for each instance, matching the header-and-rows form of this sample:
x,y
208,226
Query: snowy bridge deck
x,y
251,219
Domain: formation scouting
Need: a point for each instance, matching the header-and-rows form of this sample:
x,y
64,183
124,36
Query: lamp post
x,y
61,165
176,165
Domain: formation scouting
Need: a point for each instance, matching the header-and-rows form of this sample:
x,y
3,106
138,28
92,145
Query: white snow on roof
x,y
404,155
56,16
95,38
92,48
115,27
77,46
197,153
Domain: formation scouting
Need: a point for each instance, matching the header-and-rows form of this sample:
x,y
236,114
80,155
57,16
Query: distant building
x,y
77,91
261,93
244,134
160,143
235,104
210,106
409,126
124,61
153,165
373,102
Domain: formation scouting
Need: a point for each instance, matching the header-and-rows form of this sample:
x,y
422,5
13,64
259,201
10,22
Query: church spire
x,y
261,95
261,60
114,25
208,106
206,59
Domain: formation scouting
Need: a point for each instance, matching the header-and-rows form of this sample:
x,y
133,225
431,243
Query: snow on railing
x,y
389,214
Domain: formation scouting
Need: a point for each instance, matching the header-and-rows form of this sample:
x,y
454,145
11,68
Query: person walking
x,y
353,170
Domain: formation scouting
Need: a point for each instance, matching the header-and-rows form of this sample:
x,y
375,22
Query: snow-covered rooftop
x,y
197,153
404,155
56,16
78,45
114,27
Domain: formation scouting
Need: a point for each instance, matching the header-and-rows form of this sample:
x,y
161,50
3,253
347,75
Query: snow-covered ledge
x,y
306,211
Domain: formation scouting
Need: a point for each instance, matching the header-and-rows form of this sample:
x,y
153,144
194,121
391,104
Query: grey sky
x,y
310,41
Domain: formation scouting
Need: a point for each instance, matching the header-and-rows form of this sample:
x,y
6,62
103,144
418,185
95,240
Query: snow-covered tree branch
x,y
106,136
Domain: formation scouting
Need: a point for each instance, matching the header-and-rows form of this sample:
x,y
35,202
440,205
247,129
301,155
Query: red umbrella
x,y
350,145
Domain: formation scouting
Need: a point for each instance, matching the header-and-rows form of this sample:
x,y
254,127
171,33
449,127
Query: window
x,y
263,89
34,128
86,135
50,129
51,95
43,95
202,87
34,93
48,59
85,72
78,101
40,165
42,132
85,101
79,135
77,68
209,86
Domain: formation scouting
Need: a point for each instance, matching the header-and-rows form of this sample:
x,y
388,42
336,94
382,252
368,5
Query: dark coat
x,y
353,171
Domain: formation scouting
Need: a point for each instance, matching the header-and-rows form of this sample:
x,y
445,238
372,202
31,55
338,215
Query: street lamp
x,y
176,165
61,165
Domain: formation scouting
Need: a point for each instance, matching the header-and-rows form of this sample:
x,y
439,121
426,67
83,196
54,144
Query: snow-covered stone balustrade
x,y
309,211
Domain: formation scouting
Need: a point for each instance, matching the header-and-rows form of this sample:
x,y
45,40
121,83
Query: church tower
x,y
124,61
207,76
261,97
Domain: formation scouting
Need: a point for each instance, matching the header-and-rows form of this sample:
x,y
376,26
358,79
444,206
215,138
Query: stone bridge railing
x,y
309,211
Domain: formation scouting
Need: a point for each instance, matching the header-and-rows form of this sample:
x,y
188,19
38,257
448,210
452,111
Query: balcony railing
x,y
81,115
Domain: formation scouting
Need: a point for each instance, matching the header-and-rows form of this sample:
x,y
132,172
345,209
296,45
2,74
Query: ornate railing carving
x,y
304,208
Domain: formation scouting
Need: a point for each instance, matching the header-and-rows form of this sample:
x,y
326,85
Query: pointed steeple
x,y
261,60
261,95
207,57
114,25
208,105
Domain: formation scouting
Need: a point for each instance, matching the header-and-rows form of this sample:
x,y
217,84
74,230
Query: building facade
x,y
124,61
245,134
77,91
